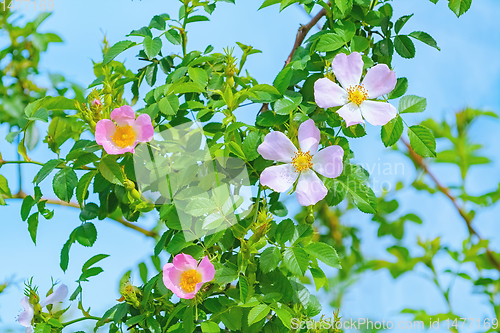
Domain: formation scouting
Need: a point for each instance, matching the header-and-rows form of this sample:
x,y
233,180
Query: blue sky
x,y
465,73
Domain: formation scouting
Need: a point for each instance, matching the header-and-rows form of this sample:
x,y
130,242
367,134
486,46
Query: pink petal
x,y
172,279
379,80
351,114
166,277
378,113
309,136
328,94
277,147
104,130
123,115
144,128
348,69
57,296
310,189
26,316
206,269
184,262
279,177
328,161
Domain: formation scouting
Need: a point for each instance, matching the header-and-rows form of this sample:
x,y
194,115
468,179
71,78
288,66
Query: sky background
x,y
465,73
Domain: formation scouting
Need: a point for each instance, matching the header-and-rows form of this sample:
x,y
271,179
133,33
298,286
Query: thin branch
x,y
446,191
2,162
149,233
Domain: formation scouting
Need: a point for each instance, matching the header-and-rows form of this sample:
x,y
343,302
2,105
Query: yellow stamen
x,y
302,161
357,94
189,279
124,136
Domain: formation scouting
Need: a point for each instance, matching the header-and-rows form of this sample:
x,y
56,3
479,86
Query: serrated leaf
x,y
64,184
268,3
86,234
83,186
391,132
400,89
225,275
33,226
152,46
111,171
296,260
198,75
361,194
319,278
329,42
459,7
404,46
284,231
46,170
425,38
28,203
412,104
169,105
232,319
342,5
207,327
324,253
199,206
269,259
92,261
422,141
283,79
258,313
401,22
250,144
284,315
116,49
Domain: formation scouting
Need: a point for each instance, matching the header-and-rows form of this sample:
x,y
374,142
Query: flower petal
x,y
328,94
379,80
206,269
172,280
184,262
57,296
28,330
310,189
378,113
144,128
351,114
166,275
279,177
26,316
123,115
328,161
104,131
348,69
277,147
309,136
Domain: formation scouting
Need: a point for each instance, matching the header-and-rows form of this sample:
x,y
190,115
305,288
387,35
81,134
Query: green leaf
x,y
269,259
48,167
296,260
177,243
197,18
28,203
169,105
284,315
244,287
4,186
342,5
188,87
422,141
284,106
424,37
232,318
329,42
64,184
401,22
65,251
199,206
258,313
209,327
173,37
391,132
111,171
268,3
459,7
116,49
33,226
404,46
412,104
324,253
283,79
252,141
359,44
225,275
86,234
92,261
83,186
319,277
157,22
400,89
152,46
284,231
142,32
93,271
198,76
89,212
361,194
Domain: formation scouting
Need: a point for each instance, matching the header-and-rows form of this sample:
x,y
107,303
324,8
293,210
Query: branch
x,y
149,233
2,162
446,191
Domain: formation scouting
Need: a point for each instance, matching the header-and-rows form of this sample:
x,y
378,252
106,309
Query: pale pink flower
x,y
355,98
26,317
184,277
301,164
123,136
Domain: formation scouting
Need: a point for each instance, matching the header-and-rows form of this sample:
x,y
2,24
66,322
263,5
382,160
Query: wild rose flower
x,y
301,164
184,277
26,317
355,97
123,136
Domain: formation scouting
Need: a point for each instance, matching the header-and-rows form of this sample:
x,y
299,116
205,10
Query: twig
x,y
446,191
149,233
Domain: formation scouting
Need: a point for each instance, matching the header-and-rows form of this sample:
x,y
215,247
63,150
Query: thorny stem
x,y
446,191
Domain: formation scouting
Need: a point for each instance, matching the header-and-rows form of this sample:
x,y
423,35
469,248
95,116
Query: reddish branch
x,y
446,191
22,195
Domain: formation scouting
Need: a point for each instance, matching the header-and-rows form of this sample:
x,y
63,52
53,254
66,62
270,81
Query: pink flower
x,y
96,103
26,317
300,164
355,98
184,277
123,136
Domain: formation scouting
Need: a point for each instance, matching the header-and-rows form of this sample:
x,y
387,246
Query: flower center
x,y
189,279
302,161
357,94
124,136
